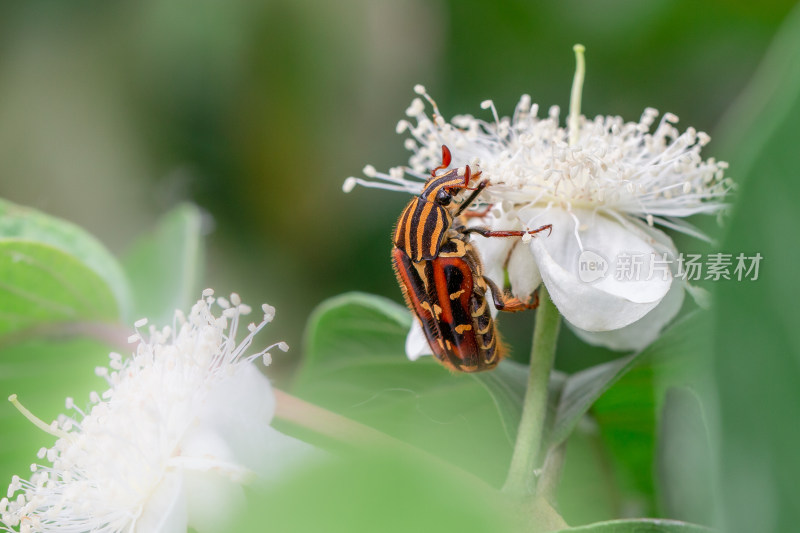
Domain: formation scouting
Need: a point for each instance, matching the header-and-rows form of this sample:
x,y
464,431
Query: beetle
x,y
441,273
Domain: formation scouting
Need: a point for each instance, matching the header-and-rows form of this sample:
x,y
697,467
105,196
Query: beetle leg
x,y
506,302
512,233
477,214
471,197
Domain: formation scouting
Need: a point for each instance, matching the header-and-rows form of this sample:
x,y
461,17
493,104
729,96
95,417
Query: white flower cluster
x,y
603,184
185,421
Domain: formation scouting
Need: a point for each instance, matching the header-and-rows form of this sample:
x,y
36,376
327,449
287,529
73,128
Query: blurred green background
x,y
113,112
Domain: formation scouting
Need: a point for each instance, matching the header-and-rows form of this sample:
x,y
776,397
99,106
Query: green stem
x,y
553,462
527,450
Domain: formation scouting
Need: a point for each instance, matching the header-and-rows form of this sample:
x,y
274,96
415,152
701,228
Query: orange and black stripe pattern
x,y
441,274
448,296
423,223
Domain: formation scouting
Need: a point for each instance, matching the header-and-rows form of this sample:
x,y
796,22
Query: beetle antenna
x,y
446,159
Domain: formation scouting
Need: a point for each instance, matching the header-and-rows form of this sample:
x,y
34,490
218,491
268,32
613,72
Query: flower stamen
x,y
158,416
38,422
575,96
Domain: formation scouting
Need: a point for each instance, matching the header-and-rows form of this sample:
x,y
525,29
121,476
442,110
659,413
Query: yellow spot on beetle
x,y
460,250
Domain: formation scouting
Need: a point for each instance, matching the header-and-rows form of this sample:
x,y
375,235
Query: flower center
x,y
603,163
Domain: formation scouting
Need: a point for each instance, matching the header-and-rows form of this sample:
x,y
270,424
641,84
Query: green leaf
x,y
581,390
584,388
42,373
41,285
376,492
756,333
587,491
749,127
626,420
506,385
684,458
355,365
54,278
165,266
24,227
639,525
624,397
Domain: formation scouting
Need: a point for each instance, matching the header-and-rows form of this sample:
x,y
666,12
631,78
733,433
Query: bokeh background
x,y
112,113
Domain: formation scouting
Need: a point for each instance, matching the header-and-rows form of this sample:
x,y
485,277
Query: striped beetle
x,y
441,274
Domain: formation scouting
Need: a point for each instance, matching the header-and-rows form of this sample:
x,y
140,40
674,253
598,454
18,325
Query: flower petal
x,y
285,455
494,252
165,510
239,408
640,334
416,342
606,301
499,254
523,273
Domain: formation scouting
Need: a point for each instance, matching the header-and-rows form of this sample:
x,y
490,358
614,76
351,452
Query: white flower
x,y
184,423
602,183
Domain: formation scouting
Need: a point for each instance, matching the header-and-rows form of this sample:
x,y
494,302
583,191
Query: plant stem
x,y
527,450
552,464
